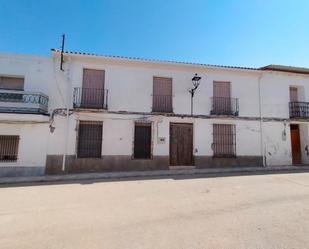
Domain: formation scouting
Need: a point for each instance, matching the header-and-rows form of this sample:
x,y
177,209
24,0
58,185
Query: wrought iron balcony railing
x,y
299,109
162,103
23,102
224,106
90,98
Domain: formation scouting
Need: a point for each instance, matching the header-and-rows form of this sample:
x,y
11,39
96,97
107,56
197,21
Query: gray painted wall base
x,y
126,163
21,171
106,163
239,161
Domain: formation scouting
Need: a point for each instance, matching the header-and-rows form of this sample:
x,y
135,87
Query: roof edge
x,y
285,69
153,60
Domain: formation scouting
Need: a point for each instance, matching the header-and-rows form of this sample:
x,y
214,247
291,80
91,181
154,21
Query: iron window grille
x,y
90,139
8,148
224,140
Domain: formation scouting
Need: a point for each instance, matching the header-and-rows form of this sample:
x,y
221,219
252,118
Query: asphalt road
x,y
263,211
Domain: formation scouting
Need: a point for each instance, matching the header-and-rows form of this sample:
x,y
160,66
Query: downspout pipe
x,y
69,99
261,121
66,139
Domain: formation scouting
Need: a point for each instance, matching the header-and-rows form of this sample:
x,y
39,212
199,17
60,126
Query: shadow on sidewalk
x,y
142,178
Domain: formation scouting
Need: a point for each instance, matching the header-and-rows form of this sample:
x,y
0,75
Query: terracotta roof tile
x,y
151,60
288,69
281,68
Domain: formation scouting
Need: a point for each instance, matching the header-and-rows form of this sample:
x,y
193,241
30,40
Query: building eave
x,y
285,69
155,61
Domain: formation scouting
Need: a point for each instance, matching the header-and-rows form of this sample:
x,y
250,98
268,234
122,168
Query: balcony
x,y
299,109
162,103
90,98
224,106
23,102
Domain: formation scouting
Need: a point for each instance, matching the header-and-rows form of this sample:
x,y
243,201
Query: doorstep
x,y
154,173
181,167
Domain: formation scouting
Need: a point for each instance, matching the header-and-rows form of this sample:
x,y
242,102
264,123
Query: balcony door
x,y
293,94
162,95
295,106
93,88
222,97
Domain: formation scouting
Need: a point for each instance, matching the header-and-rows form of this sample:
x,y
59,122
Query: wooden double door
x,y
181,144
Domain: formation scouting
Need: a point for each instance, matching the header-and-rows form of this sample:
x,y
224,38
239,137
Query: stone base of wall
x,y
126,163
106,163
21,171
239,161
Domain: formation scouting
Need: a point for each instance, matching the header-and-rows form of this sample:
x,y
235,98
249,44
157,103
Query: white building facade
x,y
105,113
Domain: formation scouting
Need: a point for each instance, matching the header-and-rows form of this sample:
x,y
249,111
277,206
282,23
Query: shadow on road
x,y
142,178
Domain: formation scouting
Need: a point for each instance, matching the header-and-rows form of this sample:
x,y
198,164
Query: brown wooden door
x,y
181,144
162,95
142,140
93,88
295,143
222,97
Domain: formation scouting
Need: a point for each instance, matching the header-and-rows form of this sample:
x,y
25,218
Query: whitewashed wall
x,y
130,89
118,134
37,70
130,85
32,129
304,141
32,144
275,92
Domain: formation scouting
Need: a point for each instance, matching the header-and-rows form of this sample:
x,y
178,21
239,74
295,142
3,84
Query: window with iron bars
x,y
224,140
90,139
8,148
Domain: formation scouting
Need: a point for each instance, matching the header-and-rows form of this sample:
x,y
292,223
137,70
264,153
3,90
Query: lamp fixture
x,y
196,82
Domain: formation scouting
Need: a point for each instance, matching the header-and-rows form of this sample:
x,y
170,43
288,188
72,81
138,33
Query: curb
x,y
141,174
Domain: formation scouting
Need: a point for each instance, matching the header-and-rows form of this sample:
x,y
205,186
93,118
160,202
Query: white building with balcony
x,y
24,113
105,113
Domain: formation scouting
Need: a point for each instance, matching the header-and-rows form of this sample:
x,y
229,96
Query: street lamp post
x,y
196,82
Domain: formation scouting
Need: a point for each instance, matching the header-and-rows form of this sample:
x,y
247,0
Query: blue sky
x,y
241,33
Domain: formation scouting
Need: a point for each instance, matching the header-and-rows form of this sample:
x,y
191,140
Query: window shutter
x,y
162,95
11,83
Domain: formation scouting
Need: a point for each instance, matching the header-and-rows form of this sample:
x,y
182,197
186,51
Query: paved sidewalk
x,y
154,173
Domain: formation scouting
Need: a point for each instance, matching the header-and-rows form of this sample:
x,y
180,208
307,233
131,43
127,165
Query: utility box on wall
x,y
161,140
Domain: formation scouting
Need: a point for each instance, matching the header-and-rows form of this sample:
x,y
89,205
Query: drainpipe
x,y
261,122
66,139
64,156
